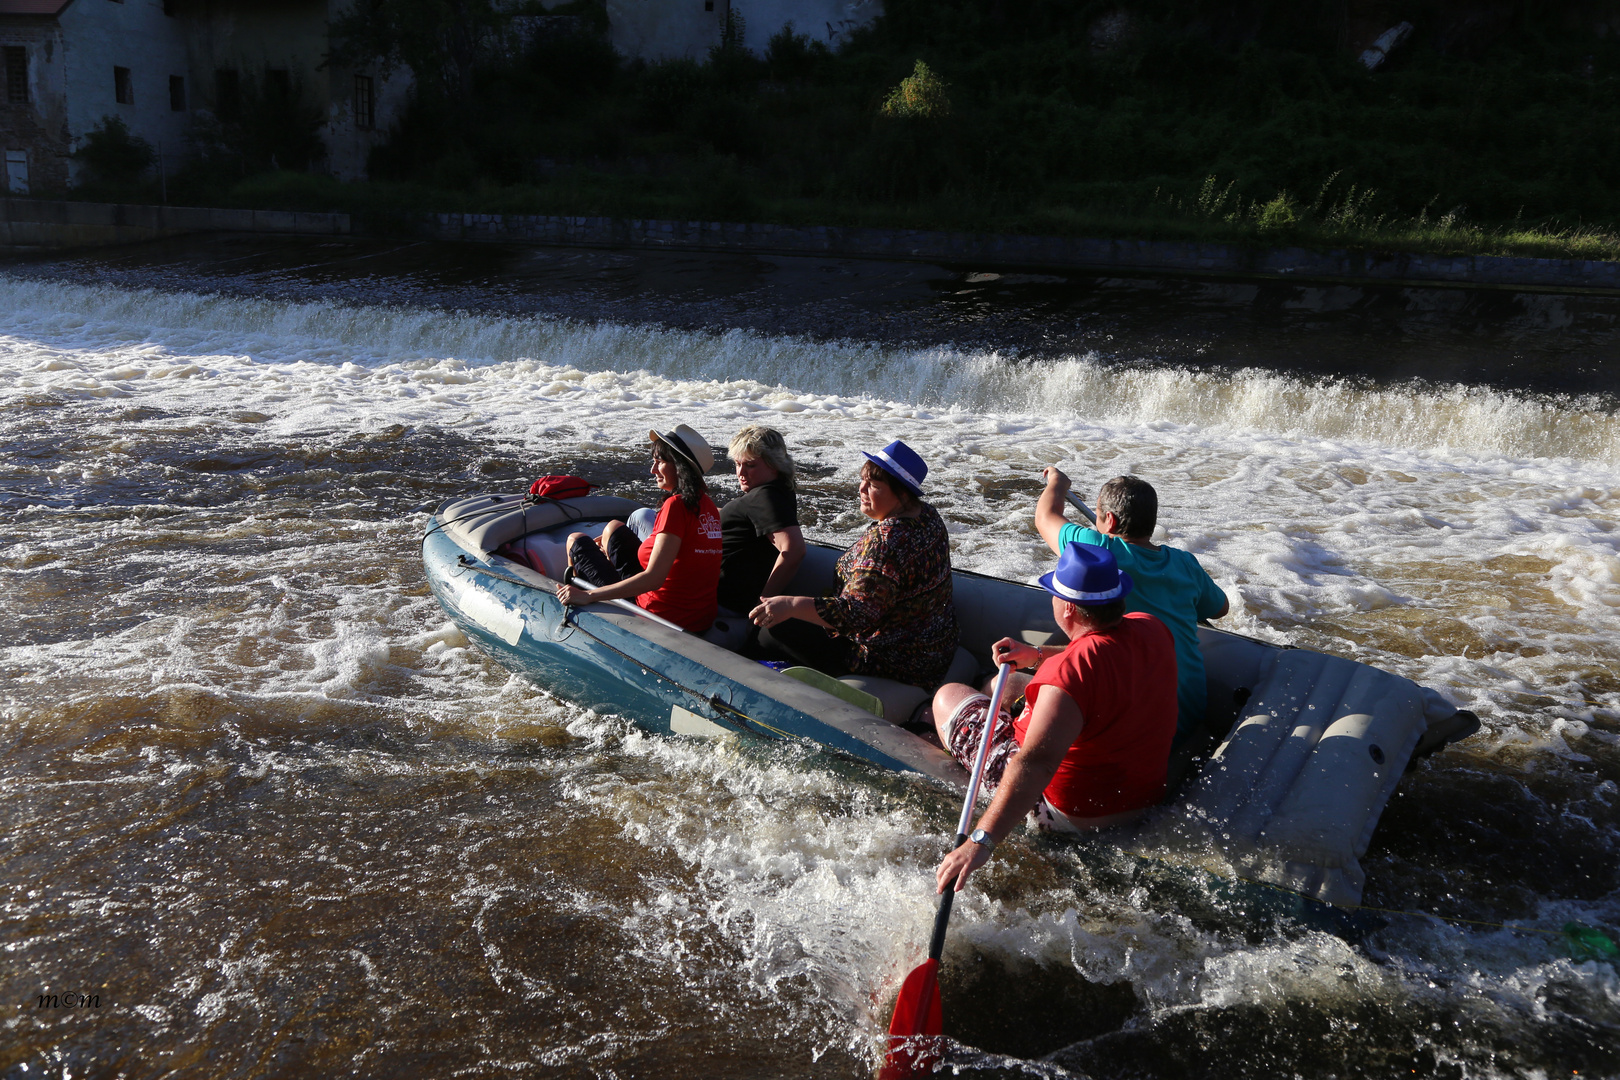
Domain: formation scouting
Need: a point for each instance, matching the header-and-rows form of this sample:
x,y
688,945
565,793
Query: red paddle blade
x,y
917,1025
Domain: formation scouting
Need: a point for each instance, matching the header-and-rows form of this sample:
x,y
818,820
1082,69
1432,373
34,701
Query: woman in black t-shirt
x,y
761,544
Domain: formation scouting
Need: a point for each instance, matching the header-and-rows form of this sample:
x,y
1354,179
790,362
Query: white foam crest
x,y
816,880
106,339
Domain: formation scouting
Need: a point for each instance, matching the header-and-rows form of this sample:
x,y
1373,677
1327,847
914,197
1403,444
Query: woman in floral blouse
x,y
892,616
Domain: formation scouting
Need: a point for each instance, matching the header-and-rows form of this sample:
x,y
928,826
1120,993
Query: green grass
x,y
386,206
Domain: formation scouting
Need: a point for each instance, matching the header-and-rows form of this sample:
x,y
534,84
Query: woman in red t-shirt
x,y
675,571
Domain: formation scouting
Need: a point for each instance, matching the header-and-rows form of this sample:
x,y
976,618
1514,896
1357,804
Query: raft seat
x,y
902,700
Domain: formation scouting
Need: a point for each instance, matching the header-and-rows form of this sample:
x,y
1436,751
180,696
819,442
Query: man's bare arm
x,y
1049,519
1053,727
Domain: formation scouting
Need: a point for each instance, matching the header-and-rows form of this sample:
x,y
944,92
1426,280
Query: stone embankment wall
x,y
46,223
42,224
1034,252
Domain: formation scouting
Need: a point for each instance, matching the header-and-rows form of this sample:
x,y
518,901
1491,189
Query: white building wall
x,y
98,35
684,29
829,21
348,144
664,29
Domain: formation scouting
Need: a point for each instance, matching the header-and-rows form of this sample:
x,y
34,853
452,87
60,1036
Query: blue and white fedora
x,y
1087,575
901,462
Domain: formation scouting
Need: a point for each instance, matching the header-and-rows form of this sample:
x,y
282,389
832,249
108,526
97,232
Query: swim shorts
x,y
966,728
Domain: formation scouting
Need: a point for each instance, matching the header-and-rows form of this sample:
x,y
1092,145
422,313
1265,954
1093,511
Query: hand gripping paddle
x,y
918,1022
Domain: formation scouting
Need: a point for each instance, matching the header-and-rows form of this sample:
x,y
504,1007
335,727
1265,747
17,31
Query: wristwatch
x,y
983,839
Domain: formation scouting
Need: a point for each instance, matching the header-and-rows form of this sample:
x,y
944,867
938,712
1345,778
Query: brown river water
x,y
264,812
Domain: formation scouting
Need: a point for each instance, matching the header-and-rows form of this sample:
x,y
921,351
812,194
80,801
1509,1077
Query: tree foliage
x,y
439,41
112,154
1018,107
922,95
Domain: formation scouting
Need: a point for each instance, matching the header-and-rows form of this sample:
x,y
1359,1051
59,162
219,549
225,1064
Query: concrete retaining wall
x,y
1033,252
42,223
47,223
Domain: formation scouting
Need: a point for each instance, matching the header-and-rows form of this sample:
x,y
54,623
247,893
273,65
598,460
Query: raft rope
x,y
573,513
712,700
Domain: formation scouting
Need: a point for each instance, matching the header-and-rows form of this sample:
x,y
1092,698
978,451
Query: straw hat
x,y
689,444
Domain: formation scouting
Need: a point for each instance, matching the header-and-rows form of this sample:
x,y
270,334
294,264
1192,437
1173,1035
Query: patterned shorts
x,y
966,728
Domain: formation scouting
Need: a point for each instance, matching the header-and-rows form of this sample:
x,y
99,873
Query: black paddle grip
x,y
936,944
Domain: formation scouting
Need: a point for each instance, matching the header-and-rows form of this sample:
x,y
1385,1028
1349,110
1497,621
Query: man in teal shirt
x,y
1169,583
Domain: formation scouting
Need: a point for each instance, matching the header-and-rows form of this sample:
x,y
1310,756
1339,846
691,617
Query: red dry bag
x,y
560,487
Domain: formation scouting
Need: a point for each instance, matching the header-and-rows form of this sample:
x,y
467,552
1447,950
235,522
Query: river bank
x,y
993,251
45,225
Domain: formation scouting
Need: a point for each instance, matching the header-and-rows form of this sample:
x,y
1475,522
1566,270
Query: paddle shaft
x,y
628,606
1085,511
936,944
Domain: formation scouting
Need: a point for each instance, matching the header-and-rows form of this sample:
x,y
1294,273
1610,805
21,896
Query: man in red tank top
x,y
1092,744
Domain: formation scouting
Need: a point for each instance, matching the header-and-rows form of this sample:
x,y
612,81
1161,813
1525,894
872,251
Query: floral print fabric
x,y
894,603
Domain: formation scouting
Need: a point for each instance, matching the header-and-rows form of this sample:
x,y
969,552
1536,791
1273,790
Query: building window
x,y
123,89
16,74
227,94
171,7
177,93
278,82
17,172
708,5
365,102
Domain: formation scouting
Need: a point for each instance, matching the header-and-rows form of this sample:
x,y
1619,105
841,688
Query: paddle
x,y
918,1022
630,607
1085,511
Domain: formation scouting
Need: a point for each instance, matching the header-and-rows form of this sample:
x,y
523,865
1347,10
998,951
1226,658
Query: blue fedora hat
x,y
901,462
1087,575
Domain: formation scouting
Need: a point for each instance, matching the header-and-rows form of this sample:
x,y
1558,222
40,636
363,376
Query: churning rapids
x,y
264,812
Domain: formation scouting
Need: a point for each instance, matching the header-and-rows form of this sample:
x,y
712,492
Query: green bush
x,y
922,95
111,154
1277,216
790,55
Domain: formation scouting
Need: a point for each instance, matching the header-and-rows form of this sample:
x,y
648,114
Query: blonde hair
x,y
767,444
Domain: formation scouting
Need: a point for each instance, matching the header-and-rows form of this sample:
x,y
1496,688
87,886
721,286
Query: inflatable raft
x,y
1307,750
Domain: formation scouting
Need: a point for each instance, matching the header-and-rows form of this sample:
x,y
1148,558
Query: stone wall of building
x,y
38,127
253,39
